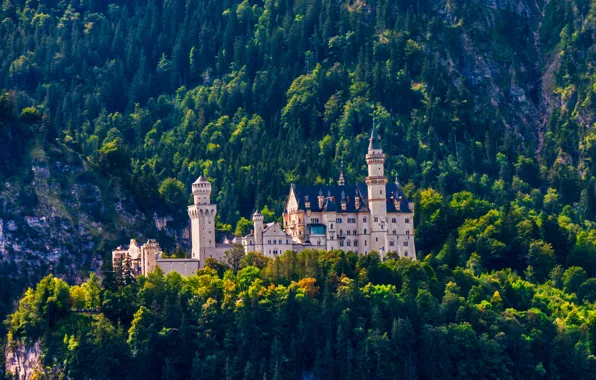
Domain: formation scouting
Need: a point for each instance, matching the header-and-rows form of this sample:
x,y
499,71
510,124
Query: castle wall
x,y
186,267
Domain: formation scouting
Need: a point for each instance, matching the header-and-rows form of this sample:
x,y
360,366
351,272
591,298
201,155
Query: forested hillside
x,y
110,109
318,315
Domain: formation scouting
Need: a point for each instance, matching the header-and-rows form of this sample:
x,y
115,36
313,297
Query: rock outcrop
x,y
23,361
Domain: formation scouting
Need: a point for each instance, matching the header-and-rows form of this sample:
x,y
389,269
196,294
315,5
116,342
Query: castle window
x,y
341,243
331,237
391,243
407,232
376,218
269,241
355,243
406,252
364,220
393,220
331,226
394,232
318,242
377,239
381,192
365,243
338,220
287,241
348,243
314,220
354,232
348,232
341,232
365,231
407,220
352,220
405,243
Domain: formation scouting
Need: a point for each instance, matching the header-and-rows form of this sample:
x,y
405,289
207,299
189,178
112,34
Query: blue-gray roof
x,y
333,193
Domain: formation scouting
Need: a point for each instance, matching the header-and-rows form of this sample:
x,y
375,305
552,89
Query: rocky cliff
x,y
60,216
23,361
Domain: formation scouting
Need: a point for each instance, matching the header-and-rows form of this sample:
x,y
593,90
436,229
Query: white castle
x,y
372,216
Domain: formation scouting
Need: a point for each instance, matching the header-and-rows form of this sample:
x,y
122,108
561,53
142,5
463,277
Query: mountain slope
x,y
489,97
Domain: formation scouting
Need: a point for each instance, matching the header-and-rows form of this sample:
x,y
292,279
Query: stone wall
x,y
186,267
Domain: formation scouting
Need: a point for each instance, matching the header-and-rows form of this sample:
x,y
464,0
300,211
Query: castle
x,y
371,216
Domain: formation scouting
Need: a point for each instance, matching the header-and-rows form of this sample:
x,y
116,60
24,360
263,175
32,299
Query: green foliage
x,y
257,95
30,115
173,192
243,227
40,309
405,319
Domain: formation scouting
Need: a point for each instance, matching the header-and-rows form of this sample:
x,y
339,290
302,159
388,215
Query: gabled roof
x,y
332,199
272,228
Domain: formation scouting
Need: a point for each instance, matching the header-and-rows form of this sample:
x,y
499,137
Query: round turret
x,y
201,190
257,216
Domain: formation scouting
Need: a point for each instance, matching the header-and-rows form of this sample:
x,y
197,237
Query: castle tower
x,y
202,217
377,199
149,253
257,219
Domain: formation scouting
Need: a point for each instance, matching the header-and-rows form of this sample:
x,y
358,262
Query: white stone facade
x,y
372,216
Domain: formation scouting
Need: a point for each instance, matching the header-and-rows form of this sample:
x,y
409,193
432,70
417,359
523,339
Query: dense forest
x,y
324,315
110,109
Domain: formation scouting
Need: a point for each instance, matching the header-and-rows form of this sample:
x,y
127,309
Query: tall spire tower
x,y
376,183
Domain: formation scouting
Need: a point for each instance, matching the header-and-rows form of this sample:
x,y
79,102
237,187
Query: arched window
x,y
407,220
348,243
365,231
406,253
355,243
407,232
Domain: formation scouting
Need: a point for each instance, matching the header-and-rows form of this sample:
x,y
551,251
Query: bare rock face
x,y
23,361
62,217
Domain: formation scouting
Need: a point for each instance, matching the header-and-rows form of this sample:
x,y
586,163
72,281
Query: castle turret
x,y
202,216
201,190
342,178
257,219
149,252
376,183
